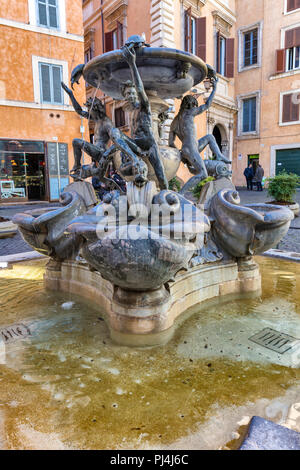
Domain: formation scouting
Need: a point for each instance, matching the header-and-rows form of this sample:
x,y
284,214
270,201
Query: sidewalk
x,y
16,244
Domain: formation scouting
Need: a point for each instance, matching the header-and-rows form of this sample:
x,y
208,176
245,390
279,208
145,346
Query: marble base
x,y
146,315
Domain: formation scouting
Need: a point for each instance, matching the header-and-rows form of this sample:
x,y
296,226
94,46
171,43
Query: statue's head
x,y
189,102
95,106
129,92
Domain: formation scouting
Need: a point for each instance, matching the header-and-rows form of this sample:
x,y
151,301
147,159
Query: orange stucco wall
x,y
17,46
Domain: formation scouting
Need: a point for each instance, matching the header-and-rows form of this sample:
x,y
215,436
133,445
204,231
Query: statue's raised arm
x,y
75,103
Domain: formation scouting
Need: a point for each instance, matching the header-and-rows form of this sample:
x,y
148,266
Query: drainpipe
x,y
102,26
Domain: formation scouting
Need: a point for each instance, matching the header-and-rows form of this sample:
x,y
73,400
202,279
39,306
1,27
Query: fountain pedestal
x,y
147,318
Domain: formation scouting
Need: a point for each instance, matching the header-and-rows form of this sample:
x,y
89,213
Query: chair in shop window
x,y
7,190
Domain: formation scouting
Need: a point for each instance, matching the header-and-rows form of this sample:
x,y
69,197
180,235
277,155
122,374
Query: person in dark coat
x,y
249,174
259,174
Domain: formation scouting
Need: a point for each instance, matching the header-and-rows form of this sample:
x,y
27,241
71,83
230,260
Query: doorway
x,y
35,176
217,135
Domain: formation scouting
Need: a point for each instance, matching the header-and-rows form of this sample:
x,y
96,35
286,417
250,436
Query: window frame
x,y
37,82
53,102
251,99
286,12
221,67
55,28
251,31
240,100
241,46
289,123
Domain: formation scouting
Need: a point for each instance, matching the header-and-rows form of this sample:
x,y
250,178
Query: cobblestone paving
x,y
291,242
16,244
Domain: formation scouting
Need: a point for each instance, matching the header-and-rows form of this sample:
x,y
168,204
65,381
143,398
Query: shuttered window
x,y
292,5
114,39
195,35
290,107
249,115
50,81
225,56
48,13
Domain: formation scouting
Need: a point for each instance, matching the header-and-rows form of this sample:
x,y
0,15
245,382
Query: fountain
x,y
148,256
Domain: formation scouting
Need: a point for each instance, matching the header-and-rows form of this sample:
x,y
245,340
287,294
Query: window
x,y
221,55
250,47
114,39
50,83
119,117
292,58
288,58
290,107
292,5
249,115
225,56
195,34
88,55
47,13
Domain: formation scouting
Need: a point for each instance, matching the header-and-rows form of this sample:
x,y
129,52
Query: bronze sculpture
x,y
142,133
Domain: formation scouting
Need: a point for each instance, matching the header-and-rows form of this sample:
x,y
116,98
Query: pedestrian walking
x,y
259,174
249,174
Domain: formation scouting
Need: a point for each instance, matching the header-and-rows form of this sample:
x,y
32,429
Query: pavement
x,y
16,244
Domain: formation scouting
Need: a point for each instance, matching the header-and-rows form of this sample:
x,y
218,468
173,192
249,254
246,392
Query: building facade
x,y
203,27
255,48
267,86
41,41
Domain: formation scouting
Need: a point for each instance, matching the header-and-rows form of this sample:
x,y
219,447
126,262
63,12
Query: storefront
x,y
32,170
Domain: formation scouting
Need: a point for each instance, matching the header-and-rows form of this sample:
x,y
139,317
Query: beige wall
x,y
264,78
21,116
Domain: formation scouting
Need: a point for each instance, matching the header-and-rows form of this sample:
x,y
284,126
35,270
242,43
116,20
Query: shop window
x,y
47,13
195,34
50,83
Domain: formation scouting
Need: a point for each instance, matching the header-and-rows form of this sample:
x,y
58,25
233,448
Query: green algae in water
x,y
69,386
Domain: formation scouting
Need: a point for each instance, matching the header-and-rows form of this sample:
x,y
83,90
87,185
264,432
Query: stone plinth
x,y
145,318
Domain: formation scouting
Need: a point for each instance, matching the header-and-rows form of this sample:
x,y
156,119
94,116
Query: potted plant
x,y
198,188
282,188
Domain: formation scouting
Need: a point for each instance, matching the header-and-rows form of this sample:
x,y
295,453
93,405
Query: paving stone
x,y
266,435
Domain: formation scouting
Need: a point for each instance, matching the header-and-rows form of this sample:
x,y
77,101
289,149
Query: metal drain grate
x,y
278,342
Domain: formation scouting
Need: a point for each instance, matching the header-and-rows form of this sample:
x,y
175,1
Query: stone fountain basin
x,y
247,230
159,69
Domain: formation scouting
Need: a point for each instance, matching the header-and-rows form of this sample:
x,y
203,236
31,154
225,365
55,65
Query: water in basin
x,y
67,385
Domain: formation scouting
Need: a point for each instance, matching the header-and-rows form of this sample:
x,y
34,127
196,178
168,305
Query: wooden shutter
x,y
229,58
120,39
291,5
45,83
201,38
56,83
292,38
108,42
280,61
290,111
188,29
